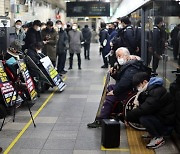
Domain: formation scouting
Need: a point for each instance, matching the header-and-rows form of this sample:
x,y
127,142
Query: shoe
x,y
146,136
88,58
79,68
95,124
70,68
156,142
63,72
1,149
104,66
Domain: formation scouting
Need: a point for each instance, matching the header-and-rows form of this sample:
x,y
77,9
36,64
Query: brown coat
x,y
50,48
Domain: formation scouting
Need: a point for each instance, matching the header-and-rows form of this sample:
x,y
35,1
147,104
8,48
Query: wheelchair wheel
x,y
128,107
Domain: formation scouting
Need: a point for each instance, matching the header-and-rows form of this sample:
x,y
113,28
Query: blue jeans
x,y
155,127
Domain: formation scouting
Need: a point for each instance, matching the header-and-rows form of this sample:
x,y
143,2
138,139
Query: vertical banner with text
x,y
27,78
7,90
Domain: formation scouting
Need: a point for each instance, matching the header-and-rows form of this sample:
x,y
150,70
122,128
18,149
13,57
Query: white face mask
x,y
39,51
59,26
140,88
38,29
120,26
18,26
74,27
121,61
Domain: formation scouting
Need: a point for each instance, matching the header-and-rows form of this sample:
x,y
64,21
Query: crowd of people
x,y
121,42
123,34
55,40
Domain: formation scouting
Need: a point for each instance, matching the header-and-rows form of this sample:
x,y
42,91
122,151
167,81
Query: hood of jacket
x,y
155,81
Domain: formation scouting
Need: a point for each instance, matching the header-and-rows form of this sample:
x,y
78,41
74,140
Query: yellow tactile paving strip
x,y
136,144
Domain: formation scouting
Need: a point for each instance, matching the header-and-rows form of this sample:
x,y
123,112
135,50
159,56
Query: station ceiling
x,y
114,4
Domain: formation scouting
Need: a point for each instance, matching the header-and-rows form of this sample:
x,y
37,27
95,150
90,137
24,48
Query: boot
x,y
70,63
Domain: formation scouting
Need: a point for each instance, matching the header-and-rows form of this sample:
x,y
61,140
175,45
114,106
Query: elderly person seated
x,y
129,66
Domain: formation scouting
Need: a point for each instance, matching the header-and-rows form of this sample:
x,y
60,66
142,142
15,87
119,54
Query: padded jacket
x,y
154,101
124,77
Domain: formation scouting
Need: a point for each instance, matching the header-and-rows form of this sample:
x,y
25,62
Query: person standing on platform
x,y
19,32
174,40
158,45
61,47
104,40
50,36
128,35
75,39
33,35
87,40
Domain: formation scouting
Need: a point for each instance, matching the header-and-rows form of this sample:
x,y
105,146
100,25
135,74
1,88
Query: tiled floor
x,y
61,125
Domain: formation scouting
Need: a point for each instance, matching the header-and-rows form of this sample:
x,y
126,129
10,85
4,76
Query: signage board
x,y
87,8
7,90
27,78
46,62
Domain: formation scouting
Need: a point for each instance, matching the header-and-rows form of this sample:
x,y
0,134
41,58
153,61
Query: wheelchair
x,y
121,109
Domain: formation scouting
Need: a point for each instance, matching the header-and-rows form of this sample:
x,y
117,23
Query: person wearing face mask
x,y
123,75
75,40
19,32
127,34
50,36
154,109
61,47
33,35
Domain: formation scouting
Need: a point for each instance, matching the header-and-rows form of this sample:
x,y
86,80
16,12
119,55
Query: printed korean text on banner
x,y
7,90
46,62
27,78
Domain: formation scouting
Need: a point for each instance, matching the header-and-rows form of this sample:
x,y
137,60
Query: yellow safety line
x,y
136,144
30,121
104,80
114,149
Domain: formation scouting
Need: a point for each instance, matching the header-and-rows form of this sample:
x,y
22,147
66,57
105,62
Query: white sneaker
x,y
155,143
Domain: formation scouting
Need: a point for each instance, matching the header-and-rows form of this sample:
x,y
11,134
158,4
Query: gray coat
x,y
20,36
75,39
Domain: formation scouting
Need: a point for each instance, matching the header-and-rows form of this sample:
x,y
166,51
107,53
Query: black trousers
x,y
103,56
154,126
86,50
175,50
61,61
155,63
71,60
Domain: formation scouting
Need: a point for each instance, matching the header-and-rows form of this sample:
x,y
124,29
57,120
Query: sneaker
x,y
156,142
104,66
146,136
95,124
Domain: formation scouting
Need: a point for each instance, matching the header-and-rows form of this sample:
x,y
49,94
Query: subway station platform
x,y
61,118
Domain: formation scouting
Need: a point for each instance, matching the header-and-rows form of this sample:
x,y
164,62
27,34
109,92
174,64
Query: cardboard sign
x,y
46,62
7,90
27,78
